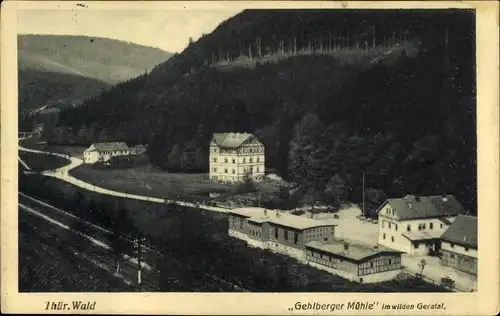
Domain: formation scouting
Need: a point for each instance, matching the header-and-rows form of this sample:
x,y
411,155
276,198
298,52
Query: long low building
x,y
313,242
278,231
355,262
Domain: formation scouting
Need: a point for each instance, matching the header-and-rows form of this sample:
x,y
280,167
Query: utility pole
x,y
363,193
138,244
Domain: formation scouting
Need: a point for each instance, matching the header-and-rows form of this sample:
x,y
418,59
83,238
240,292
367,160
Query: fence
x,y
438,283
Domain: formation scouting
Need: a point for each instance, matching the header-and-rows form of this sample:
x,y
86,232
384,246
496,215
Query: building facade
x,y
280,232
313,242
358,263
414,225
459,245
101,152
235,156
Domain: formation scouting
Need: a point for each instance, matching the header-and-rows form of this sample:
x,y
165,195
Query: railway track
x,y
105,234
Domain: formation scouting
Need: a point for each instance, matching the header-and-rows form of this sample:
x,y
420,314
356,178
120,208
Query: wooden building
x,y
355,262
280,232
459,245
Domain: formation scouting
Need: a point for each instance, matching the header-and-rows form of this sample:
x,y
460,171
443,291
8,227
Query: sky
x,y
169,30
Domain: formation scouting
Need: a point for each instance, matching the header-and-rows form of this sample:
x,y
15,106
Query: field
x,y
151,181
40,162
197,241
46,266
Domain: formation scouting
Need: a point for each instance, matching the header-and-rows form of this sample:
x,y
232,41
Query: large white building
x,y
101,152
414,224
234,155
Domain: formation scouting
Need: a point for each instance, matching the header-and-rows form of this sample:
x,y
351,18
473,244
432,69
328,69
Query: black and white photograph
x,y
247,150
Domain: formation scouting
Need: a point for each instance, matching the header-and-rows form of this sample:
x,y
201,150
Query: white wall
x,y
445,245
388,221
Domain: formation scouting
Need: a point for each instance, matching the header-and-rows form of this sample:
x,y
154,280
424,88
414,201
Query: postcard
x,y
250,158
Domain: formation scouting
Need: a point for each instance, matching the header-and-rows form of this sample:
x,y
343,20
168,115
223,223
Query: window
x,y
389,225
451,245
466,249
452,256
276,233
423,226
215,169
390,261
285,234
396,226
392,238
250,160
415,246
215,159
241,223
234,171
257,169
371,264
258,159
225,170
295,238
431,225
408,228
234,160
441,225
383,236
244,160
225,160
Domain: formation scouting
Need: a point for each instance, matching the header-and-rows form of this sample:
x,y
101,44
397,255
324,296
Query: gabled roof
x,y
355,251
231,140
414,207
108,146
462,231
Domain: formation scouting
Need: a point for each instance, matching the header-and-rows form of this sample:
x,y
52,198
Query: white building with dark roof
x,y
104,151
234,155
459,244
414,224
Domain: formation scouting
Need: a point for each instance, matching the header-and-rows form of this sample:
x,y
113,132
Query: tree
x,y
421,264
335,190
174,158
373,199
308,156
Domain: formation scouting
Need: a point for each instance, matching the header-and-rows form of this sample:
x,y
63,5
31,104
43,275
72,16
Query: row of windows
x,y
233,171
255,233
392,237
453,246
250,160
116,152
420,226
251,150
390,224
285,235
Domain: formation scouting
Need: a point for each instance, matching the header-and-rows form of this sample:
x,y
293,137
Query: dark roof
x,y
462,231
108,146
231,140
413,207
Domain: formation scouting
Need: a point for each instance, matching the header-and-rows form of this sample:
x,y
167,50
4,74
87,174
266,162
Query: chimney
x,y
445,198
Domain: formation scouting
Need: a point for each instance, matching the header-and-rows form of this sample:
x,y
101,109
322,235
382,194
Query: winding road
x,y
63,174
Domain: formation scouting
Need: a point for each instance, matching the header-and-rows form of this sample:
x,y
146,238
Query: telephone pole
x,y
363,193
138,250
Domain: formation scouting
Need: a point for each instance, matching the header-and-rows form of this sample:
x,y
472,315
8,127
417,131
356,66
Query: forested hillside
x,y
332,94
